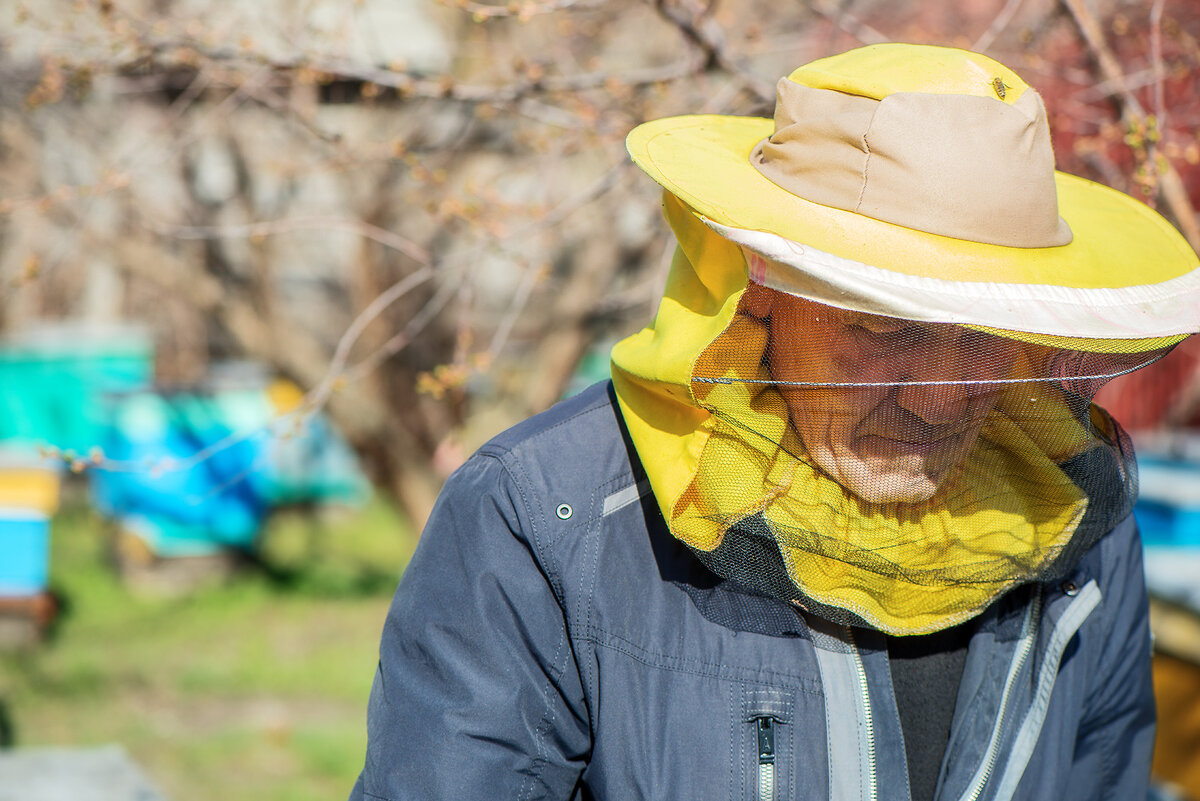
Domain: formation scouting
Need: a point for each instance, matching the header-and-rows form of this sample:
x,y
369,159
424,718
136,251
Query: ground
x,y
250,685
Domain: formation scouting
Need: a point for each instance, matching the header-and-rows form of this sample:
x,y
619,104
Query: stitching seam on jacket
x,y
511,467
545,725
538,762
697,667
736,766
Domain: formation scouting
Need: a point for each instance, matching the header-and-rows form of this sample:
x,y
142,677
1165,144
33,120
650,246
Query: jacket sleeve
x,y
1116,740
477,694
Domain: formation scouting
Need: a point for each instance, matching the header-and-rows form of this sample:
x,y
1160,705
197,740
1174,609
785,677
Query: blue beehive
x,y
179,504
29,489
24,552
1168,507
1168,516
198,472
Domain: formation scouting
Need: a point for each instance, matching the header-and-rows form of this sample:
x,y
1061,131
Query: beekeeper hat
x,y
918,182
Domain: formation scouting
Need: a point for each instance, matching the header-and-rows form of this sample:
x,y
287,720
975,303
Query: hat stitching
x,y
865,173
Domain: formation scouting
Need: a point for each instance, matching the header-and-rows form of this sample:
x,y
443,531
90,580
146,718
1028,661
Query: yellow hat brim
x,y
704,160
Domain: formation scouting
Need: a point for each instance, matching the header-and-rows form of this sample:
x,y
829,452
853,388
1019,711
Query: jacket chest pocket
x,y
765,734
781,735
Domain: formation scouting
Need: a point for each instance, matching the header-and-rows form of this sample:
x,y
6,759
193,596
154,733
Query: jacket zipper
x,y
765,728
868,723
1028,635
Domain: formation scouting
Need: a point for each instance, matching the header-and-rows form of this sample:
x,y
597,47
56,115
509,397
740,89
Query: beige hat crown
x,y
941,141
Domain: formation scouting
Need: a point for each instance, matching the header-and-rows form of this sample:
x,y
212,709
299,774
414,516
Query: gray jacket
x,y
550,639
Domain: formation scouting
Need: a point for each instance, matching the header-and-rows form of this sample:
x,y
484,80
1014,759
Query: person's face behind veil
x,y
888,408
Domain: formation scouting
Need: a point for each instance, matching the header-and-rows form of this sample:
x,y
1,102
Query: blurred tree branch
x,y
430,249
1162,172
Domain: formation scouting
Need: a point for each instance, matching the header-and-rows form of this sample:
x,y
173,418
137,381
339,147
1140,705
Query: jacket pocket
x,y
766,727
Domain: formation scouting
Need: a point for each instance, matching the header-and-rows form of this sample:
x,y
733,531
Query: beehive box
x,y
24,552
29,494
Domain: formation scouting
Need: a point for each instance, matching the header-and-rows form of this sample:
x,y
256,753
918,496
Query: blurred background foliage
x,y
422,214
421,217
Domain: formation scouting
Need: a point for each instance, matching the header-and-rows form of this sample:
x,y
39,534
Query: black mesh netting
x,y
898,473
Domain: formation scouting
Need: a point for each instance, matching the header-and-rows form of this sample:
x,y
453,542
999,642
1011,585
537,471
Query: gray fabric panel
x,y
890,744
1020,655
1082,606
622,498
846,728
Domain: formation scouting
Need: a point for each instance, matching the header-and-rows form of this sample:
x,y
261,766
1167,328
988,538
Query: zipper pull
x,y
765,728
766,741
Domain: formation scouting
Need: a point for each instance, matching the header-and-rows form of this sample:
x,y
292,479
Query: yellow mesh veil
x,y
872,470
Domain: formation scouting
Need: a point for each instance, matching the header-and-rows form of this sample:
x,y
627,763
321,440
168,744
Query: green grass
x,y
251,688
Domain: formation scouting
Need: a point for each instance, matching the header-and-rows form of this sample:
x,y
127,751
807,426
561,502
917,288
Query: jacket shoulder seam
x,y
562,651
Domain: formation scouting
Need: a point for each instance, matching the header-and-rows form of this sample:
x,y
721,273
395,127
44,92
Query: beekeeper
x,y
845,524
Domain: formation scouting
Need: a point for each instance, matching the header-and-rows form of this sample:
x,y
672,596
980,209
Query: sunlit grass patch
x,y
253,686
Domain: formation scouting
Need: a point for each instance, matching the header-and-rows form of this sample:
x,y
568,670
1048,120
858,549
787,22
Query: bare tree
x,y
423,214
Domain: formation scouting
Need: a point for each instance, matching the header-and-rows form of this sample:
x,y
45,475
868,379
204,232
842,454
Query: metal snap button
x,y
1070,589
564,511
